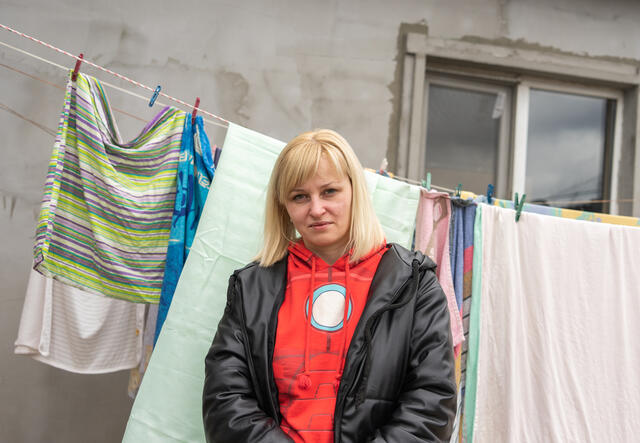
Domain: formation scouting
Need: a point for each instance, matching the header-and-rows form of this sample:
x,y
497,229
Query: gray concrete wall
x,y
277,66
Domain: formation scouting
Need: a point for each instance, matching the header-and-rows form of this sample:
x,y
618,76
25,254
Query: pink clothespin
x,y
74,76
195,111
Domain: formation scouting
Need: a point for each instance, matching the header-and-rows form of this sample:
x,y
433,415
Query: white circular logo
x,y
328,307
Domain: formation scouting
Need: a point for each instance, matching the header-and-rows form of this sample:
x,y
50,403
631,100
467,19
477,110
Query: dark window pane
x,y
462,137
566,148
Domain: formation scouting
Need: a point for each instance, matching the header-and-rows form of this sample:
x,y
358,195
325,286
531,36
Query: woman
x,y
333,335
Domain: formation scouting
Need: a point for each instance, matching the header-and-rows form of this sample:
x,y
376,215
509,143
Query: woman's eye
x,y
330,191
298,197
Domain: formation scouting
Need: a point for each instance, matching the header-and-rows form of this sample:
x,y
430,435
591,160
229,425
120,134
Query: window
x,y
569,146
552,130
468,128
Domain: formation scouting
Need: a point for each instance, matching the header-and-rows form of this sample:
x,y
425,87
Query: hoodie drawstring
x,y
345,317
304,381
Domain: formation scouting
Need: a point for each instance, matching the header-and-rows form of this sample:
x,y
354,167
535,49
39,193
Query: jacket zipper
x,y
353,383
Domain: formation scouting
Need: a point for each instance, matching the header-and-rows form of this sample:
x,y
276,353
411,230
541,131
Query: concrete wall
x,y
276,66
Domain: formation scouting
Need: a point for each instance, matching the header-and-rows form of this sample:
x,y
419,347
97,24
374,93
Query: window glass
x,y
566,147
463,131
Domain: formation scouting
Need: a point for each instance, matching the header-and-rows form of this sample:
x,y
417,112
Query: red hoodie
x,y
310,351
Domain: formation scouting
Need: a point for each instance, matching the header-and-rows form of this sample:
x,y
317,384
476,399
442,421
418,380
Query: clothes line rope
x,y
559,202
27,119
90,63
189,106
26,74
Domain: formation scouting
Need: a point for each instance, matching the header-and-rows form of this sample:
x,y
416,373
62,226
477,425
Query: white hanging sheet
x,y
558,309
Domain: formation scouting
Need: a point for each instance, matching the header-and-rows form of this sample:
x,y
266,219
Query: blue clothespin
x,y
154,96
458,189
518,205
490,193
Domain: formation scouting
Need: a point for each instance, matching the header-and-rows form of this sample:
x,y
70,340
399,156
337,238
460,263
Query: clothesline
x,y
26,74
559,202
394,176
17,114
120,76
48,45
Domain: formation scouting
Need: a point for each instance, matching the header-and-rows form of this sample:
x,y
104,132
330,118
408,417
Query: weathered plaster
x,y
279,67
395,87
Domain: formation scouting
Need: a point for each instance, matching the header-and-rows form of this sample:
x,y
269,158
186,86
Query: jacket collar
x,y
393,271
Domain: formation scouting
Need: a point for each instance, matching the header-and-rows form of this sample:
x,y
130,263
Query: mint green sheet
x,y
169,402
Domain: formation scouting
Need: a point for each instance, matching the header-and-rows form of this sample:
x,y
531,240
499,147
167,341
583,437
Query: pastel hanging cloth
x,y
168,407
195,172
432,238
106,212
463,214
553,333
80,332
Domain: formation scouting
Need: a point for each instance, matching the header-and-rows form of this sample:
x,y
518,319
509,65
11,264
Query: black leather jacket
x,y
398,383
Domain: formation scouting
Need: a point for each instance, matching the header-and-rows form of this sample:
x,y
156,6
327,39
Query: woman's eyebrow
x,y
325,185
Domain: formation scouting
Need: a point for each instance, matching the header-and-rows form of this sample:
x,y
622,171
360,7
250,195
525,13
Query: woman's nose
x,y
317,207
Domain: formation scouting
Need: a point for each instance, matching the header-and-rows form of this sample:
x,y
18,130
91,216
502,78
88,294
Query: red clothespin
x,y
195,111
74,76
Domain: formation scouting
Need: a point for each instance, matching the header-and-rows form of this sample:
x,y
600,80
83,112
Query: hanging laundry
x,y
227,238
553,309
432,238
107,206
73,330
463,213
216,156
195,172
463,220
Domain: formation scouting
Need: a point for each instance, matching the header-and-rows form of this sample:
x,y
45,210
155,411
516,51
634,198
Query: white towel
x,y
558,353
77,331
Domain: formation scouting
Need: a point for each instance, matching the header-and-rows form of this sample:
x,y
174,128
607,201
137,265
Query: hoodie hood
x,y
304,257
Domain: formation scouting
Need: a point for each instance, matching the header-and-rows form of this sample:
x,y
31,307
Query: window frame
x,y
522,69
503,155
521,130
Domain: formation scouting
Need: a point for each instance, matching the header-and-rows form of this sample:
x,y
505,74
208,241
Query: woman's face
x,y
320,210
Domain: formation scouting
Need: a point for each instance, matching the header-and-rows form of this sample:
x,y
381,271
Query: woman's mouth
x,y
320,225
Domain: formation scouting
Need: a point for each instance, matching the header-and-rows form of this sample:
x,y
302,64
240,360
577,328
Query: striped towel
x,y
106,212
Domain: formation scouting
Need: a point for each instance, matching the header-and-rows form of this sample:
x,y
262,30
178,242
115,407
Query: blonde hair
x,y
296,164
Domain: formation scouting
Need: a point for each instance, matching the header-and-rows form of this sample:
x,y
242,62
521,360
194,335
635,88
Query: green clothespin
x,y
518,205
426,183
458,189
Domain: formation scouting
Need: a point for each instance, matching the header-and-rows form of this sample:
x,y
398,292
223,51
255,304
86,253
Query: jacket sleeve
x,y
230,408
426,407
